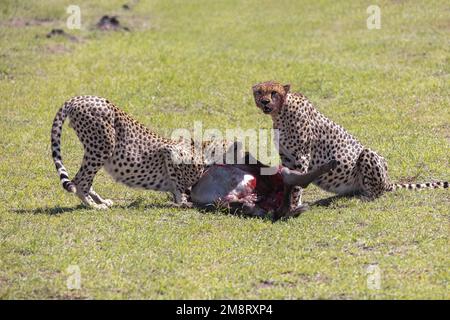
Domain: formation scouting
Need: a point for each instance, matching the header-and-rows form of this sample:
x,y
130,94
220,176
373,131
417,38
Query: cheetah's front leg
x,y
181,199
174,159
301,166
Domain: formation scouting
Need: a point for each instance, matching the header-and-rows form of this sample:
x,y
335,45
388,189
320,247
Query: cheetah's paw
x,y
101,206
185,205
108,202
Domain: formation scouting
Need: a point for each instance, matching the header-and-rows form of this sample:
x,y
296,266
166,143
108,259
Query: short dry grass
x,y
186,61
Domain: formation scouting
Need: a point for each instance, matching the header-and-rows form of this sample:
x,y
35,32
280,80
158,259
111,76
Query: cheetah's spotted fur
x,y
308,139
130,153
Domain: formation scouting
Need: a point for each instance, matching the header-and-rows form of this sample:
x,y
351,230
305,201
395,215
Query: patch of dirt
x,y
363,246
284,284
24,251
444,26
266,284
4,281
362,224
295,280
57,48
54,33
130,5
322,244
403,249
107,23
446,131
5,75
341,296
317,277
55,295
21,22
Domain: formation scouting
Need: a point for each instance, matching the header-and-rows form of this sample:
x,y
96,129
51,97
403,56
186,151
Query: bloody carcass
x,y
243,188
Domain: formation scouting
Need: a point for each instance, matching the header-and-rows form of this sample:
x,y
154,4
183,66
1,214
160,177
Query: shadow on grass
x,y
136,204
49,211
327,202
234,210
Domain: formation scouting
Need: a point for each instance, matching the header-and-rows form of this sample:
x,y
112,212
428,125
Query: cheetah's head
x,y
269,96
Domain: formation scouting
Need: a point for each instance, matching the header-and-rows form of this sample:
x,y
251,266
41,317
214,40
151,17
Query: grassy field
x,y
184,61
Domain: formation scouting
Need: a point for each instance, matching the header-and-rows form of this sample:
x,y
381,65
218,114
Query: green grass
x,y
196,60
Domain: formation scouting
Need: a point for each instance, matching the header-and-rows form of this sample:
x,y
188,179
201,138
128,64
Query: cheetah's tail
x,y
58,122
418,186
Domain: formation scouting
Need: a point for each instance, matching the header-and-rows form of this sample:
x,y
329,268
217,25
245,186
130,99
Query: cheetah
x,y
308,139
131,153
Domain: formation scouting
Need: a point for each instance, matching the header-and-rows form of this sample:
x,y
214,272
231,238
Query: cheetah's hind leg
x,y
93,160
83,181
373,175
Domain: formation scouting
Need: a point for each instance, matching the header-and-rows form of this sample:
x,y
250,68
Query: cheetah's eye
x,y
259,92
274,93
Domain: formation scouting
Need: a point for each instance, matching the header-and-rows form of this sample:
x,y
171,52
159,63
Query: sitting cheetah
x,y
130,153
307,140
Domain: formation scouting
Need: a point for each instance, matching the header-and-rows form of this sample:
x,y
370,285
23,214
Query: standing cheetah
x,y
130,153
308,139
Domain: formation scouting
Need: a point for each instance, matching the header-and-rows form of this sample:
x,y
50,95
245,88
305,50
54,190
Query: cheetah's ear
x,y
287,87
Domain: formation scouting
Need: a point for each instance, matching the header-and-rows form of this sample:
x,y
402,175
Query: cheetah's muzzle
x,y
267,110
